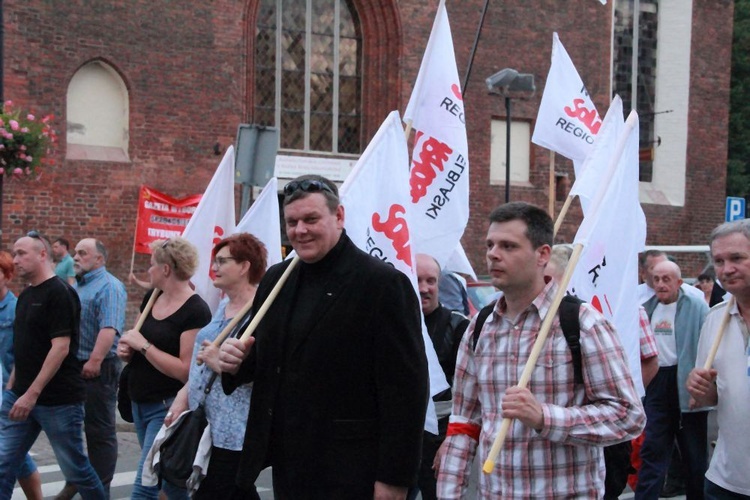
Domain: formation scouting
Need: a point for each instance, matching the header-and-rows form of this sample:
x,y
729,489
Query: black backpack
x,y
569,324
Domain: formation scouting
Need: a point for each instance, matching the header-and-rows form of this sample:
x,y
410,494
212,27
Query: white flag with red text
x,y
567,122
262,221
439,175
375,196
613,232
212,221
591,173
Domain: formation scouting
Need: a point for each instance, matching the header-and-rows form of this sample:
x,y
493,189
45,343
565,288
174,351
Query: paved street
x,y
127,463
129,453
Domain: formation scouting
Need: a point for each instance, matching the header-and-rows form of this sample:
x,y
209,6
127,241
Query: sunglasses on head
x,y
308,186
34,234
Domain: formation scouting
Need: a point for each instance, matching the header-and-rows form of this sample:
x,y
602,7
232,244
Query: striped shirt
x,y
647,340
565,458
103,300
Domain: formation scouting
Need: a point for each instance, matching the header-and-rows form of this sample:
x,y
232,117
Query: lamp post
x,y
503,82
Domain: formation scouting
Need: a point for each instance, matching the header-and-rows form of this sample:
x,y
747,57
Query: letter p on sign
x,y
735,208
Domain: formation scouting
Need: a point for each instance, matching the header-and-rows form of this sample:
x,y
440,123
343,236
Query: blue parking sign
x,y
735,208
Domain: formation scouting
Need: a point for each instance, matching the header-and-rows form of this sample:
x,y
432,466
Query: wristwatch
x,y
145,347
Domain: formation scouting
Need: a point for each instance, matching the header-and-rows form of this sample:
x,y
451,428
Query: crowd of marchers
x,y
332,388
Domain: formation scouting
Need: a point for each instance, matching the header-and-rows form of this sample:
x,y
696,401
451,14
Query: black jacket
x,y
357,382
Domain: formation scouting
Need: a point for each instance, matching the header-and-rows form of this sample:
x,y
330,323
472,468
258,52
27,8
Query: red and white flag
x,y
262,221
613,232
438,181
375,196
212,221
567,122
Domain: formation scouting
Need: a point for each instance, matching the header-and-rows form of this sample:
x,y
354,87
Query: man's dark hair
x,y
332,196
63,242
649,253
539,225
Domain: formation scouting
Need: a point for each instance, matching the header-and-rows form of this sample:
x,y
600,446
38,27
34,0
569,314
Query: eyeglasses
x,y
220,261
308,186
34,234
169,255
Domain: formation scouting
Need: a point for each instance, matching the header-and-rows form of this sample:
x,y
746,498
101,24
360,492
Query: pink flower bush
x,y
26,143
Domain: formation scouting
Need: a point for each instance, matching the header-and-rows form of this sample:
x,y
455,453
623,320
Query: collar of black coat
x,y
329,262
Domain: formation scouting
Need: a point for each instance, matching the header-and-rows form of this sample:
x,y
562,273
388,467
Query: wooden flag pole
x,y
497,445
269,300
230,326
552,184
407,131
147,309
719,335
562,214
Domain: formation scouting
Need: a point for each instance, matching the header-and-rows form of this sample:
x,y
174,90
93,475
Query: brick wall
x,y
188,70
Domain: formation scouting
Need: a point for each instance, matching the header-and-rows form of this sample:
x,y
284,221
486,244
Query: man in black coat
x,y
338,364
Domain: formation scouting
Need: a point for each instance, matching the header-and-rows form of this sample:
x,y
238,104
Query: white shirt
x,y
730,462
662,324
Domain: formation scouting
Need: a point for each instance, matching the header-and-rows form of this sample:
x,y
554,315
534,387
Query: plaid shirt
x,y
103,301
565,458
648,342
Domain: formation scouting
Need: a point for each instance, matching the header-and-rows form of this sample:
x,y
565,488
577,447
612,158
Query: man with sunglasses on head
x,y
45,391
338,363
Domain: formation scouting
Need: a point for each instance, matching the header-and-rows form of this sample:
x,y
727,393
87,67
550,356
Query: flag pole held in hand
x,y
269,300
719,335
489,464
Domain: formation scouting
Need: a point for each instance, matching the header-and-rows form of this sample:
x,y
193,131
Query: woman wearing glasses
x,y
159,354
239,264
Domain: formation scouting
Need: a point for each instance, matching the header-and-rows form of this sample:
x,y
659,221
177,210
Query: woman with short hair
x,y
159,354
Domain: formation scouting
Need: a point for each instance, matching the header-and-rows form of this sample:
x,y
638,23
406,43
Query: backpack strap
x,y
484,313
570,325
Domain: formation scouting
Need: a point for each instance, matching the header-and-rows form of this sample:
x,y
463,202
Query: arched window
x,y
97,114
308,74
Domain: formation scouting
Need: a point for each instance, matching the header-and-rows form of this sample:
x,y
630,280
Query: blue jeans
x,y
63,426
148,419
665,422
100,421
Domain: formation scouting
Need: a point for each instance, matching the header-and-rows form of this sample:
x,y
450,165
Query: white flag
x,y
458,262
439,176
591,173
613,232
567,122
375,196
262,221
212,221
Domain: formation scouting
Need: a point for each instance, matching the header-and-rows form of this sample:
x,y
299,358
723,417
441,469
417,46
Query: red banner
x,y
161,216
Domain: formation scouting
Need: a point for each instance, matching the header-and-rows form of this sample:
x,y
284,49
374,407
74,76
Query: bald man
x,y
676,320
103,300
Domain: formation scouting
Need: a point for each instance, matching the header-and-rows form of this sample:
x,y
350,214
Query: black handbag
x,y
177,452
124,404
179,449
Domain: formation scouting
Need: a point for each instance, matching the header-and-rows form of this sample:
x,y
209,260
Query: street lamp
x,y
503,82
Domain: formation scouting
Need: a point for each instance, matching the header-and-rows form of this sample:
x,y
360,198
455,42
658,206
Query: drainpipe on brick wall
x,y
2,99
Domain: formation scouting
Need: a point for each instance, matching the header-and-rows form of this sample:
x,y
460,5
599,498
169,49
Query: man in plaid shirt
x,y
554,446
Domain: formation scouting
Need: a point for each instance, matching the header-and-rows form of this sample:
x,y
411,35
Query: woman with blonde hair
x,y
159,354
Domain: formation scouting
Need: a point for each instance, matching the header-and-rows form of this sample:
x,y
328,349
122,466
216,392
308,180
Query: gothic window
x,y
308,74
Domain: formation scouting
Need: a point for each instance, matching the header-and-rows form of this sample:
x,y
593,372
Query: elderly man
x,y
103,301
676,320
554,449
726,384
338,363
47,390
445,328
